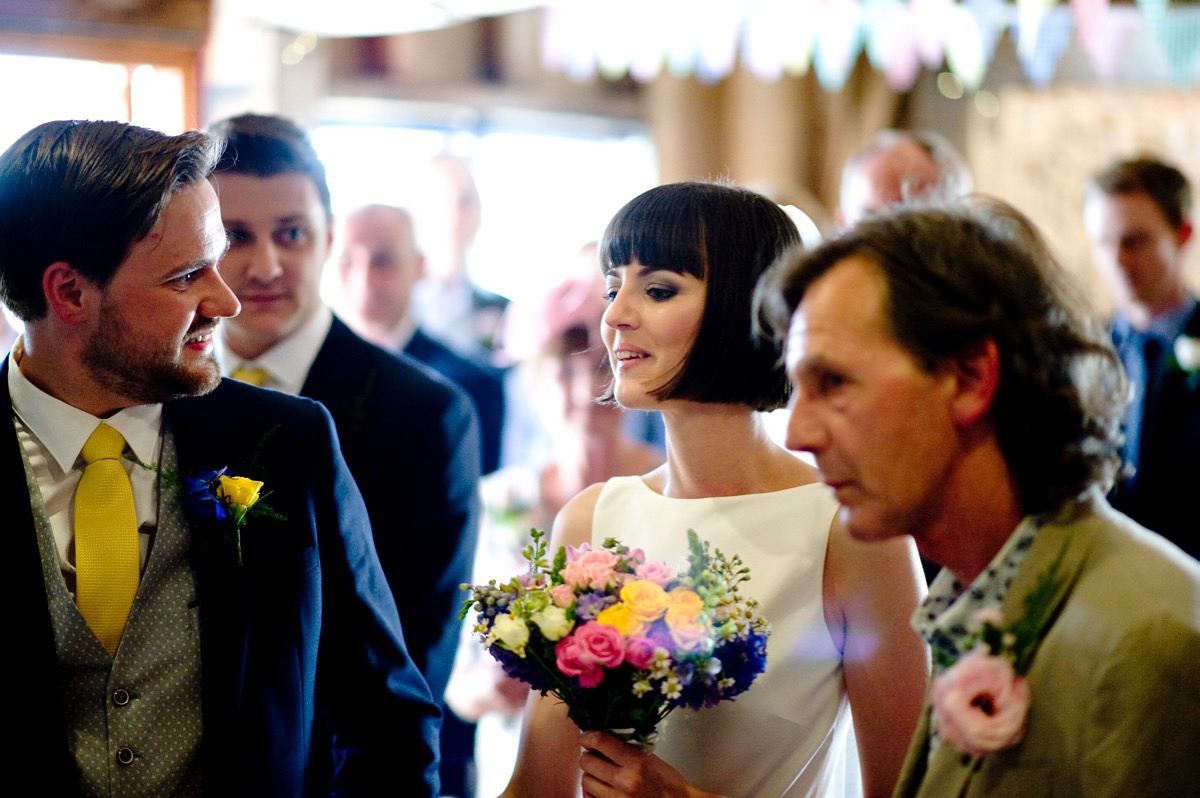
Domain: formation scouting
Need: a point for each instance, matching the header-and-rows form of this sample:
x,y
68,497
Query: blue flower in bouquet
x,y
591,604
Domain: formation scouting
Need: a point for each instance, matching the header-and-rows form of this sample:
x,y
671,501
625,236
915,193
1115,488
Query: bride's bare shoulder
x,y
573,524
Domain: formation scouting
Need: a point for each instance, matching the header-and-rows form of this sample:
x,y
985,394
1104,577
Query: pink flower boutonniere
x,y
980,702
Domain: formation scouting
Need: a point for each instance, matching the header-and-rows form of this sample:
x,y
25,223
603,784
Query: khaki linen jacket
x,y
1115,681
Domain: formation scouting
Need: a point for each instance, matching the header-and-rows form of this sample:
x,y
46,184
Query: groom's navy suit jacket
x,y
307,688
411,441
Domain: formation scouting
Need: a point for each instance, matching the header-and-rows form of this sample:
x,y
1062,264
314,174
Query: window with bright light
x,y
35,89
543,195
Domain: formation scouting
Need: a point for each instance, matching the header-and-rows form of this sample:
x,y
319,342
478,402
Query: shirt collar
x,y
63,428
289,361
946,617
1170,324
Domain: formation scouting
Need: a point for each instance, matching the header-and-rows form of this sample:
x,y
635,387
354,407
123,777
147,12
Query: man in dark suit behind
x,y
378,264
166,648
410,438
1139,216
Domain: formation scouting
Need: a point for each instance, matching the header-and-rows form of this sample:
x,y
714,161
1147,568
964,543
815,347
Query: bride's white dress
x,y
790,734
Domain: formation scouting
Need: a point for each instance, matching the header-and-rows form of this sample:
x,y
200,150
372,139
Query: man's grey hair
x,y
954,178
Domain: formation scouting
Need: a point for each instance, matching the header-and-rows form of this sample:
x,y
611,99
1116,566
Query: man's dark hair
x,y
84,193
960,275
1166,186
726,236
265,146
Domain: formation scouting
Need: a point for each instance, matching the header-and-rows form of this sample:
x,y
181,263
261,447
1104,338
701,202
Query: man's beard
x,y
145,371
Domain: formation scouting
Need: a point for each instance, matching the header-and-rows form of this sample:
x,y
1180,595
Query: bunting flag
x,y
838,42
705,38
776,37
967,51
1040,47
1110,39
1178,37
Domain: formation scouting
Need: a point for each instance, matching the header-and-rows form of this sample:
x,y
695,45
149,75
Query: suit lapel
x,y
1061,535
37,702
917,758
25,580
220,588
342,378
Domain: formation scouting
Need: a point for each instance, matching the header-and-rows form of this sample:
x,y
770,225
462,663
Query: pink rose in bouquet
x,y
562,595
593,569
657,572
573,660
639,652
602,643
980,703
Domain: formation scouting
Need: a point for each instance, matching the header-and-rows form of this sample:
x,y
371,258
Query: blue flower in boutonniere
x,y
215,497
200,497
980,702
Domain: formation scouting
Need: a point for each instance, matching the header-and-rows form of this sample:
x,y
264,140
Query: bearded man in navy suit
x,y
256,658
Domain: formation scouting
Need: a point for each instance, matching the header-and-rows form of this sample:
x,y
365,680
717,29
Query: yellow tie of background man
x,y
253,375
106,538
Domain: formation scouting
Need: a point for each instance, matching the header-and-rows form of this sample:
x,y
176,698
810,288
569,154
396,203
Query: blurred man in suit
x,y
448,303
378,263
162,646
410,438
952,387
1138,216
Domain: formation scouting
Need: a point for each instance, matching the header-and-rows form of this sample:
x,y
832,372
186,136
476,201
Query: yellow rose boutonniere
x,y
238,494
228,501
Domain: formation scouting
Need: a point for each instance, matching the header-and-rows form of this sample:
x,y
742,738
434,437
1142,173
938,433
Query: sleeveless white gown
x,y
790,734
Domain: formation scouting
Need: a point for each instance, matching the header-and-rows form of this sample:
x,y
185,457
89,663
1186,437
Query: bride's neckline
x,y
646,487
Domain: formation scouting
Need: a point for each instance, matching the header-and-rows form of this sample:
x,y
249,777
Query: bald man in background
x,y
897,166
378,265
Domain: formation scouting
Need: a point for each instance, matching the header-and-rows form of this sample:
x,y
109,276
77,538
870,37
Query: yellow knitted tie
x,y
106,538
253,375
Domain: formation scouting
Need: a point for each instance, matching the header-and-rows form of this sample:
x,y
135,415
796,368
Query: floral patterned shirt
x,y
945,615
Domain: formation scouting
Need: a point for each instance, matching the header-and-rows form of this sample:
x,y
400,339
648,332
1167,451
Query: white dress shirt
x,y
288,362
52,433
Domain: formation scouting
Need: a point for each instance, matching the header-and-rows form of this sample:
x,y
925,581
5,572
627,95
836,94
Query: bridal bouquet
x,y
622,641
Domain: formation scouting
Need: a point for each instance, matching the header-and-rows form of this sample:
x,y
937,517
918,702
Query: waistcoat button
x,y
120,696
124,756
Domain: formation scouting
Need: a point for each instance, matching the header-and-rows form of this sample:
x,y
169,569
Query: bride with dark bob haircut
x,y
680,264
700,229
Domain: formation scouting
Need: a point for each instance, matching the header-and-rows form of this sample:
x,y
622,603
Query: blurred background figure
x,y
378,265
562,368
8,332
448,304
1138,214
896,166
